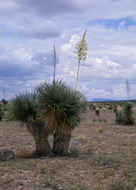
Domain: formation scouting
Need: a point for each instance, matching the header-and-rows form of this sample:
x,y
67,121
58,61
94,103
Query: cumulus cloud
x,y
68,47
28,29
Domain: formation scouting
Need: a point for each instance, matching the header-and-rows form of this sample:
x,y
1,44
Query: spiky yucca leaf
x,y
22,106
66,103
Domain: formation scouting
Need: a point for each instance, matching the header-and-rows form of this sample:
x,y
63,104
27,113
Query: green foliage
x,y
110,107
97,112
1,112
94,107
115,109
107,159
22,106
100,107
119,117
128,119
74,153
125,117
90,106
66,103
119,184
4,102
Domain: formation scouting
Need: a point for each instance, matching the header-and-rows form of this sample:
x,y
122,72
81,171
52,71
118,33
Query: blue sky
x,y
28,29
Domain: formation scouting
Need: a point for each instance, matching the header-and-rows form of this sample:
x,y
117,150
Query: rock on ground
x,y
6,155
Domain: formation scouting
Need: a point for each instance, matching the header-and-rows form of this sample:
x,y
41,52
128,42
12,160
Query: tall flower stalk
x,y
81,53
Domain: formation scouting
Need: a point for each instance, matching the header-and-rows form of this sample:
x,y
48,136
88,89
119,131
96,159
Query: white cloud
x,y
22,54
69,46
28,33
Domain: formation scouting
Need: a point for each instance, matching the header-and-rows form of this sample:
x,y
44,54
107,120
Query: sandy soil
x,y
103,155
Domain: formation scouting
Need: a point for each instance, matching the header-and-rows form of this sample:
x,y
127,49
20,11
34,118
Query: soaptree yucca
x,y
24,108
60,109
125,117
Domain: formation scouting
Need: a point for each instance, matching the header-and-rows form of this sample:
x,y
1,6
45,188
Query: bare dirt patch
x,y
102,155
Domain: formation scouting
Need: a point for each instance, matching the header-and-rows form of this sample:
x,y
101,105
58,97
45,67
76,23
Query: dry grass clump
x,y
24,153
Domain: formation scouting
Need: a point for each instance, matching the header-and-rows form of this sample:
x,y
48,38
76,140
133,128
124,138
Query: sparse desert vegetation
x,y
67,95
102,157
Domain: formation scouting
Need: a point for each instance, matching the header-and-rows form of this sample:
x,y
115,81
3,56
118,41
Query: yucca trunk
x,y
42,147
61,141
40,135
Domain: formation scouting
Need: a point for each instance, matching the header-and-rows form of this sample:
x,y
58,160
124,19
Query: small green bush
x,y
128,119
94,120
94,107
119,117
97,112
115,109
1,113
125,117
90,106
119,184
107,159
110,107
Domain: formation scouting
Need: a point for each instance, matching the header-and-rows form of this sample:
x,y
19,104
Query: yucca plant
x,y
125,117
24,108
60,108
4,102
127,110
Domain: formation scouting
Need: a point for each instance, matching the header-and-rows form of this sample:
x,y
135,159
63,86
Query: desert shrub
x,y
90,106
119,184
97,112
110,107
94,120
100,106
128,119
4,102
107,159
94,107
74,153
119,117
1,112
115,109
125,117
